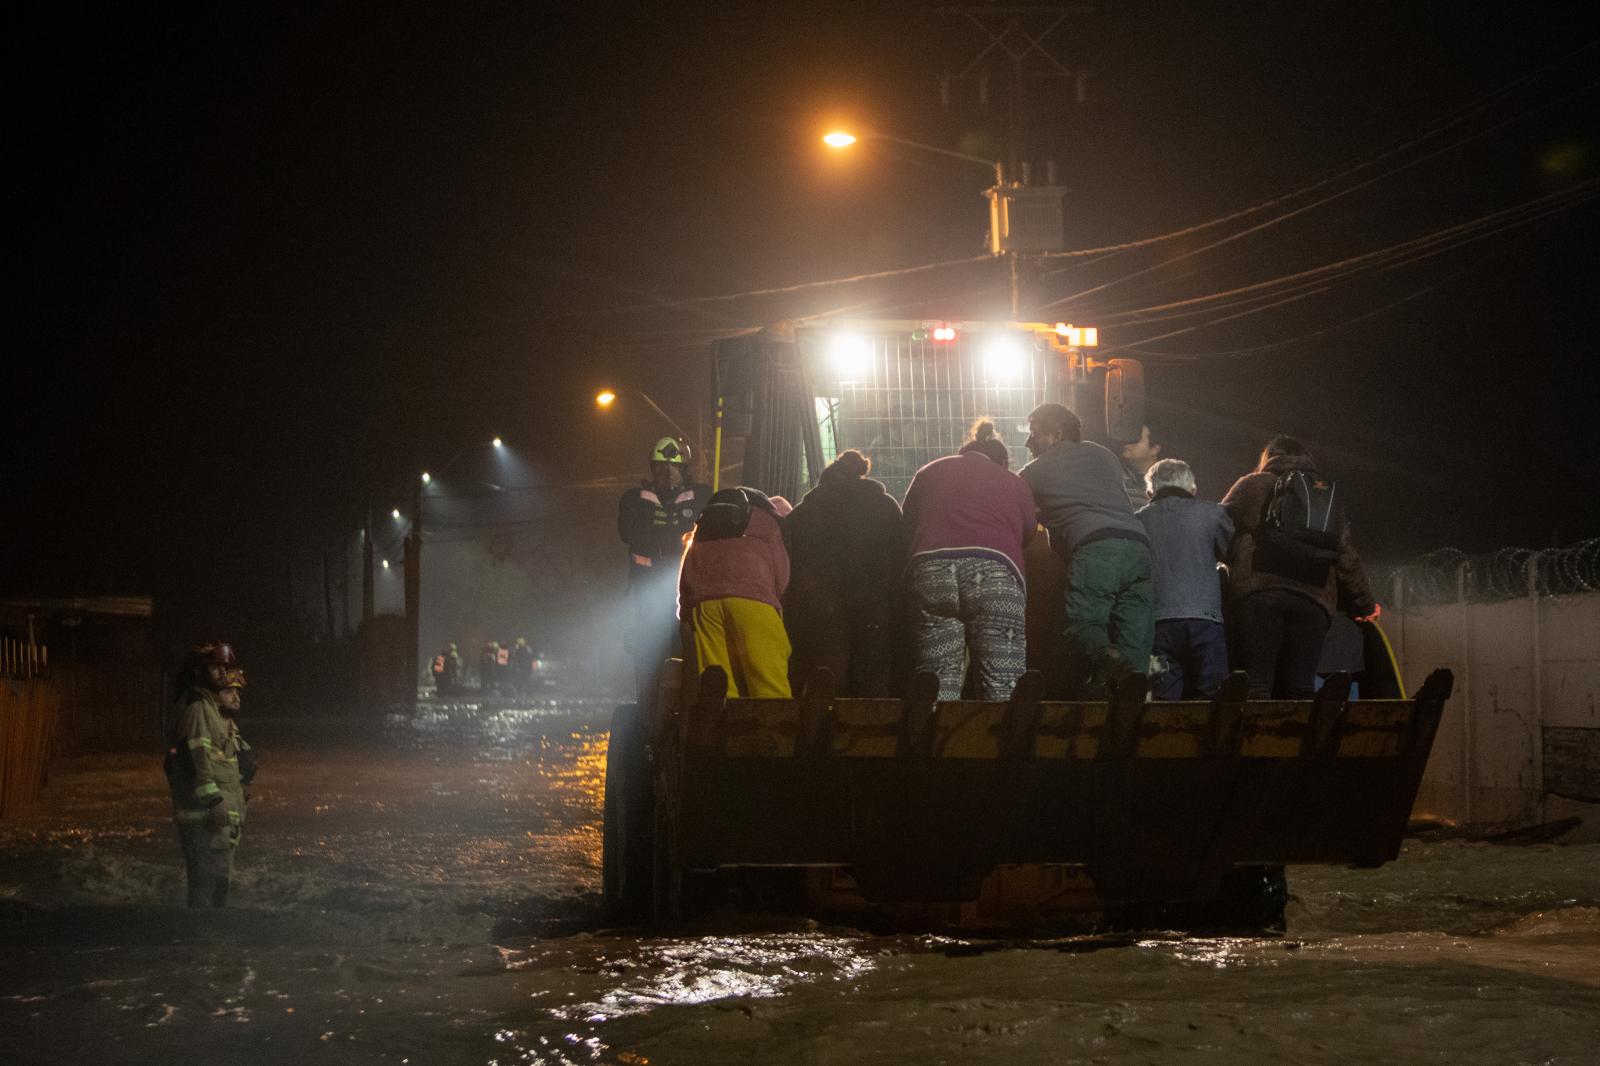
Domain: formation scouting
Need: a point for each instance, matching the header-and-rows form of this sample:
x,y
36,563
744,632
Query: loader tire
x,y
628,845
666,878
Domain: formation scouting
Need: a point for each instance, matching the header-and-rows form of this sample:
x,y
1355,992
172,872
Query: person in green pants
x,y
1077,486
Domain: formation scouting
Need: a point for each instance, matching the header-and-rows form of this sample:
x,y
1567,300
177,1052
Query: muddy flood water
x,y
424,889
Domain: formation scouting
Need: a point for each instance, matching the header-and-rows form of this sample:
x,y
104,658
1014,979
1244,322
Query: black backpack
x,y
1301,531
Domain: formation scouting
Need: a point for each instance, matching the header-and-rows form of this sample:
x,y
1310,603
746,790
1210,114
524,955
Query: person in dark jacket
x,y
968,519
653,519
1279,621
1188,538
846,551
1078,487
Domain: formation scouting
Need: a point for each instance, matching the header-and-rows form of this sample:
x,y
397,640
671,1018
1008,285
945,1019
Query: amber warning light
x,y
1078,336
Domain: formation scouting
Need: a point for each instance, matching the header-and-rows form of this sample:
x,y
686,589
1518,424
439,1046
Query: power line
x,y
1429,130
1399,254
1286,216
1337,327
803,286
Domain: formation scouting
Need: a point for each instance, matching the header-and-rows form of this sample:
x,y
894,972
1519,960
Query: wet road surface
x,y
424,889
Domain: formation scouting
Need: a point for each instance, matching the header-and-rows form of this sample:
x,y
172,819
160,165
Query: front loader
x,y
969,814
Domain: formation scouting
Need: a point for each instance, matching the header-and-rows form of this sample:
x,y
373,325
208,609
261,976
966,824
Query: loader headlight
x,y
1005,359
851,356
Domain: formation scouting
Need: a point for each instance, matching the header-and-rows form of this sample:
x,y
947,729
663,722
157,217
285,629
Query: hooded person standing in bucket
x,y
730,594
847,550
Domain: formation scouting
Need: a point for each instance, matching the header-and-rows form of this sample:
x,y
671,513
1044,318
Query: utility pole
x,y
1015,51
327,596
413,593
368,605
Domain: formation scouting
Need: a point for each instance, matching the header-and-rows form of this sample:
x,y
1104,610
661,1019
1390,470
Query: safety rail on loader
x,y
922,801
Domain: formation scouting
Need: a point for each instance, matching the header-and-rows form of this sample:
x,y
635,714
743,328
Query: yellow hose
x,y
1393,663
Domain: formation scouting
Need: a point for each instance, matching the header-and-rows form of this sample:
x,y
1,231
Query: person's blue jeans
x,y
1193,653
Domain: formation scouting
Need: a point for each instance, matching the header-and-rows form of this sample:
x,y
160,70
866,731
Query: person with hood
x,y
1283,587
846,551
730,594
1188,538
202,767
968,518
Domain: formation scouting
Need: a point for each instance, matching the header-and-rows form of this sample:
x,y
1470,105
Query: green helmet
x,y
670,450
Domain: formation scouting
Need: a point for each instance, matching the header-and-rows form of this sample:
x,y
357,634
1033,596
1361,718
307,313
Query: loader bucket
x,y
922,801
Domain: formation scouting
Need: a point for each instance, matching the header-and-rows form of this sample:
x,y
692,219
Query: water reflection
x,y
384,859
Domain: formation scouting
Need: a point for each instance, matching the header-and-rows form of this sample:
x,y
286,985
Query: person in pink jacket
x,y
730,594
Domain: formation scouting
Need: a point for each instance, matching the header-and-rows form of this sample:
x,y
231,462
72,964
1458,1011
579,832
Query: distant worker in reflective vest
x,y
489,668
204,774
653,520
446,671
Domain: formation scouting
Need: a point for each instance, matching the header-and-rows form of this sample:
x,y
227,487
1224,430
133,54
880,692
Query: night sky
x,y
270,262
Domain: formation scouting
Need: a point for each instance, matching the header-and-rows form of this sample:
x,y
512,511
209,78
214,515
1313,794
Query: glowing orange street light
x,y
605,398
838,139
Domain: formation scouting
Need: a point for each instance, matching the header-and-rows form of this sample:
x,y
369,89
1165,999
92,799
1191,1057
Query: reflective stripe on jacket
x,y
211,743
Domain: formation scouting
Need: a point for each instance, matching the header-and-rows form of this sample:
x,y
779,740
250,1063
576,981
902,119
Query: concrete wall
x,y
1527,675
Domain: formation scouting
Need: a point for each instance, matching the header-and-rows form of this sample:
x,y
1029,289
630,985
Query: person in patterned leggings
x,y
968,518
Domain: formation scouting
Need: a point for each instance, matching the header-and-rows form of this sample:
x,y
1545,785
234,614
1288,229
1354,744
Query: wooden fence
x,y
29,707
109,706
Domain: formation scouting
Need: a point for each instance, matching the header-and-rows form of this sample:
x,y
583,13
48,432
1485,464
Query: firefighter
x,y
203,770
652,520
489,668
502,670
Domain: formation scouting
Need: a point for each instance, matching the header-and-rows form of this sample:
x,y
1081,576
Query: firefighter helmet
x,y
670,450
212,653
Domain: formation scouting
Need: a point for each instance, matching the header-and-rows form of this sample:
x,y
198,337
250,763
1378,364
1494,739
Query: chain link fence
x,y
1450,576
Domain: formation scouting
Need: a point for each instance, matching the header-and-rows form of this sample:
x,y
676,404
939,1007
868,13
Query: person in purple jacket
x,y
967,519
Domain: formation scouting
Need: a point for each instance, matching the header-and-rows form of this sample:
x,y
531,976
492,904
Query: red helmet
x,y
213,652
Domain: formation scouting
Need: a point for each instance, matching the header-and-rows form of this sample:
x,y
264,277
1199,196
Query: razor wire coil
x,y
1448,575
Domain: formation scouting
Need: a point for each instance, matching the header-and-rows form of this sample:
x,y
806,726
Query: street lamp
x,y
839,139
605,399
1002,236
413,560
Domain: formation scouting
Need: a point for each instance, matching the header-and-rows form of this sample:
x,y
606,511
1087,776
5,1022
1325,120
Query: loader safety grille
x,y
906,402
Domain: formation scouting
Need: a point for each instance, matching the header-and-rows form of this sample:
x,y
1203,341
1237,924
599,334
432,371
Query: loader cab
x,y
904,392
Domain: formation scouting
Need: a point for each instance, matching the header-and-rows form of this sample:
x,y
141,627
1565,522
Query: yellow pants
x,y
747,639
